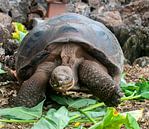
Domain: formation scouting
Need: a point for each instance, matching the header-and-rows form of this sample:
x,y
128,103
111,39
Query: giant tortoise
x,y
66,51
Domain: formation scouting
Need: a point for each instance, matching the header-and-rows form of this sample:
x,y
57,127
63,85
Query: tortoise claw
x,y
115,99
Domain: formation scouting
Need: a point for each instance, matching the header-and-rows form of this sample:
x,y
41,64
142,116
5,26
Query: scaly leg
x,y
99,82
32,90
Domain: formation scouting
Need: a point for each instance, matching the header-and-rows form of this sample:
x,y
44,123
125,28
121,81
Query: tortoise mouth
x,y
62,87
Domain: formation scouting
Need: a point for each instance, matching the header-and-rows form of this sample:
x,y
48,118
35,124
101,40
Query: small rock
x,y
4,34
109,18
142,61
39,7
4,6
5,20
80,7
94,3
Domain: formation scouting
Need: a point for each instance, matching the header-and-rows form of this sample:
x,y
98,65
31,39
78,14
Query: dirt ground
x,y
133,73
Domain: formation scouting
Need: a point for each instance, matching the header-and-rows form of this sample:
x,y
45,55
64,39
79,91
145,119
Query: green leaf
x,y
81,103
112,120
62,100
22,112
94,114
131,123
128,92
145,95
1,71
72,103
140,88
20,31
53,120
21,35
43,124
129,88
143,88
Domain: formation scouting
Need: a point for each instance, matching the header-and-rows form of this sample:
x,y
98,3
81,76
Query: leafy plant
x,y
55,119
58,119
72,103
19,31
139,90
114,120
21,114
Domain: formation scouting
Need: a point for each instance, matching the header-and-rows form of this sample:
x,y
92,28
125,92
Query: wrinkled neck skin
x,y
71,57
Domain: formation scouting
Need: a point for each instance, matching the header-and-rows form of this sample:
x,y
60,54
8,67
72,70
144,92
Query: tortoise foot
x,y
99,82
114,100
29,94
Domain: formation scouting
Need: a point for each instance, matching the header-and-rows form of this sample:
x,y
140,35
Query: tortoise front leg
x,y
32,90
95,77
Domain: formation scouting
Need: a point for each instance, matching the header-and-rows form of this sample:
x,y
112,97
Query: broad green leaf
x,y
43,123
131,87
94,114
22,112
75,113
140,88
131,123
112,120
81,103
145,95
143,88
62,100
128,92
53,120
143,85
72,103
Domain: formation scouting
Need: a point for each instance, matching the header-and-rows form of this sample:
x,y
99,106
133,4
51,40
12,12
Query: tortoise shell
x,y
96,39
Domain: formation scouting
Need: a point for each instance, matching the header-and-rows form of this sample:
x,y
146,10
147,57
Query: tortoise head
x,y
62,78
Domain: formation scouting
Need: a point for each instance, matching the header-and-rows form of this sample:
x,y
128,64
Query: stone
x,y
5,20
109,18
19,10
4,34
4,6
80,7
142,61
94,3
40,7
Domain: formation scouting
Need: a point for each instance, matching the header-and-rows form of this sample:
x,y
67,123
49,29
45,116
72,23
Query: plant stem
x,y
86,120
87,109
93,107
89,117
17,121
130,97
